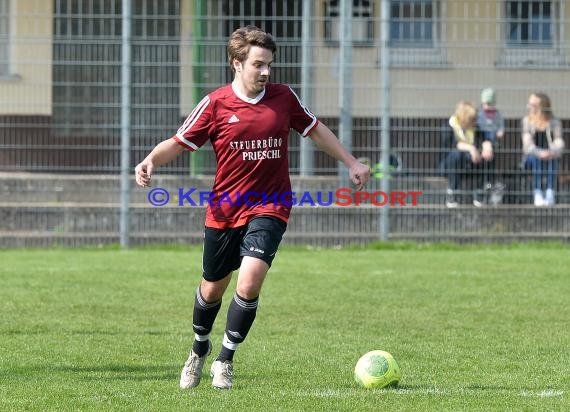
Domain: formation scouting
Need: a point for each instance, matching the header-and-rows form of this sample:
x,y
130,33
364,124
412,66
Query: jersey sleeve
x,y
302,120
194,132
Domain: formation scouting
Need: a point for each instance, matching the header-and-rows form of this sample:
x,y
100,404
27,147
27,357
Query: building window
x,y
416,33
4,37
530,23
218,20
362,21
87,68
413,23
533,34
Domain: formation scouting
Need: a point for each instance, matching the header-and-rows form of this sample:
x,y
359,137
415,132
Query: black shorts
x,y
225,248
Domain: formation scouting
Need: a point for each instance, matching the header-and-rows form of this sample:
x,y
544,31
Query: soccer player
x,y
247,123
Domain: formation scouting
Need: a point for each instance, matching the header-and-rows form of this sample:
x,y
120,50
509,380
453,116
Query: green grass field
x,y
481,328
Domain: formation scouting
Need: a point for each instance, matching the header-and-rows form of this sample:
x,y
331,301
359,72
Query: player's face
x,y
254,72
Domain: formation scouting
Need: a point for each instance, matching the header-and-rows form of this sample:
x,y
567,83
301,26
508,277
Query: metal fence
x,y
60,110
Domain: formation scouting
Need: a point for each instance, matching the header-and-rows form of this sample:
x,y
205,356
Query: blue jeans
x,y
490,136
457,165
539,169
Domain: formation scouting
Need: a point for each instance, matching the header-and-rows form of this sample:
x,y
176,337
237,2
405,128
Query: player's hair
x,y
466,114
243,38
545,106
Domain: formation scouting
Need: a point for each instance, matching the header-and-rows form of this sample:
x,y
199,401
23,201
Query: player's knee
x,y
213,291
248,291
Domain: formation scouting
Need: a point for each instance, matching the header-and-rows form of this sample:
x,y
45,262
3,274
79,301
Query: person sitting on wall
x,y
491,124
542,146
469,154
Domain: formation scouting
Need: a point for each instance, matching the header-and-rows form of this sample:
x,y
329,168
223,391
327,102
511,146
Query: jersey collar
x,y
246,99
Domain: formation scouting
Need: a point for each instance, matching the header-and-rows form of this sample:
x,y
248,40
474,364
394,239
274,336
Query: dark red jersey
x,y
250,140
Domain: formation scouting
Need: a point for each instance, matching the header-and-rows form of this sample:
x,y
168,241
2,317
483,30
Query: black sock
x,y
226,354
202,321
241,315
200,348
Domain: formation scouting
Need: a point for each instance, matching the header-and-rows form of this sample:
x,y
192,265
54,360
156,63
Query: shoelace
x,y
191,365
227,369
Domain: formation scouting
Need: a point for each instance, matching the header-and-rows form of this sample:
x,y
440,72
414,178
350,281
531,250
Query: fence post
x,y
125,122
385,115
306,155
345,92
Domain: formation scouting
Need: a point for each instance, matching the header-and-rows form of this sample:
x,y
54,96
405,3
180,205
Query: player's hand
x,y
359,174
143,173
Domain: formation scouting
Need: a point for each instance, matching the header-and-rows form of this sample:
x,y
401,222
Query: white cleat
x,y
192,371
222,374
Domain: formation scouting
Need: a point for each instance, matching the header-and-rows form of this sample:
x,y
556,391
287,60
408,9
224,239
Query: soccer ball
x,y
377,369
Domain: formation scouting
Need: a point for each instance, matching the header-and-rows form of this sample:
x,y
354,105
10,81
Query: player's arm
x,y
326,141
163,153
